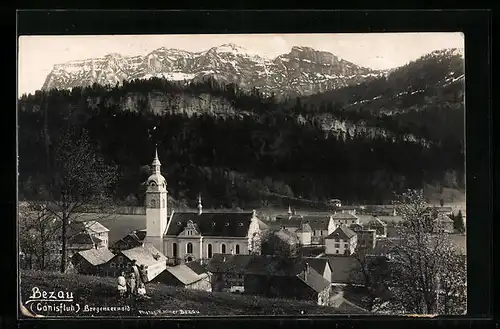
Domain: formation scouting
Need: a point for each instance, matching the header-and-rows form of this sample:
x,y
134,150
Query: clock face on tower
x,y
153,202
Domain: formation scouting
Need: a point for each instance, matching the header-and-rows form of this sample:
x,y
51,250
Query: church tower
x,y
156,206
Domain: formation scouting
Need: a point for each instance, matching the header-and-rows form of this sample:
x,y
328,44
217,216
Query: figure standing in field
x,y
136,271
133,284
143,274
141,291
122,285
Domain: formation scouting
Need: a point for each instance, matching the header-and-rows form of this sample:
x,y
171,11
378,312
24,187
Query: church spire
x,y
200,206
156,163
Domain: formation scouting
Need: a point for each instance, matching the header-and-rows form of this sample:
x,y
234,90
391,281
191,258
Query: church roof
x,y
212,224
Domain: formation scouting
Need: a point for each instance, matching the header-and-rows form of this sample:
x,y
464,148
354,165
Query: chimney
x,y
200,206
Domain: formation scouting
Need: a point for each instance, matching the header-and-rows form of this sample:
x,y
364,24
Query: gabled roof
x,y
275,266
196,267
342,232
345,270
319,222
184,274
314,280
318,264
444,218
349,307
95,227
212,224
375,221
96,256
144,255
344,215
304,228
287,236
356,227
83,238
289,221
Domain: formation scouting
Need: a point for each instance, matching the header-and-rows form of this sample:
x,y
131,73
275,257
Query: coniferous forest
x,y
246,149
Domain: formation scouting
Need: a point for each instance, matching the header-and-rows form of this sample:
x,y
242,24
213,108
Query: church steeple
x,y
156,163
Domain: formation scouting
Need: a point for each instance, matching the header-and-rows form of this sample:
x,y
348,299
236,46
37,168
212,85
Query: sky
x,y
37,55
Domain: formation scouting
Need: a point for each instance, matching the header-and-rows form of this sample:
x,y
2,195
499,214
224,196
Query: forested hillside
x,y
240,149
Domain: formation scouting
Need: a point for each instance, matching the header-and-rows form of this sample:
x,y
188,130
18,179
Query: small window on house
x,y
241,224
346,245
120,258
213,224
337,245
227,224
112,264
336,251
179,223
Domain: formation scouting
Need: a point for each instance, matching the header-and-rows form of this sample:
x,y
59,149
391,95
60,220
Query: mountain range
x,y
302,71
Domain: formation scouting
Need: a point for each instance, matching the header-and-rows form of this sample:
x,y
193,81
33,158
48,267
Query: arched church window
x,y
209,250
237,249
174,250
223,248
189,248
153,203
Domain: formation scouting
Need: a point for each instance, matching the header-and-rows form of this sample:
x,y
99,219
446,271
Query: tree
x,y
79,181
373,270
280,243
37,234
422,259
458,222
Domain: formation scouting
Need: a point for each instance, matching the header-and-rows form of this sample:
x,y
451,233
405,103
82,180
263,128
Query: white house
x,y
345,218
342,241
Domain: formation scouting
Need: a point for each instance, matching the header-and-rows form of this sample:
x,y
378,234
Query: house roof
x,y
319,222
286,236
184,274
318,264
304,228
275,266
84,238
233,224
196,267
344,269
375,221
346,306
344,215
342,232
96,256
144,255
132,240
314,280
356,227
95,227
222,263
289,221
444,218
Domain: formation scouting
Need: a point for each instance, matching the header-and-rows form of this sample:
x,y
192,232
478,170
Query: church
x,y
189,236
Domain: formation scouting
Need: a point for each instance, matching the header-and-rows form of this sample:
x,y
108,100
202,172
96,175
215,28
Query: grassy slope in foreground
x,y
97,291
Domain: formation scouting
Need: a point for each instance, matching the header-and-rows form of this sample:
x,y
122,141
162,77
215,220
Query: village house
x,y
342,241
132,240
183,276
348,210
83,235
228,272
379,226
291,278
344,218
270,276
186,236
345,271
90,262
367,238
320,265
154,261
304,233
321,225
444,224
